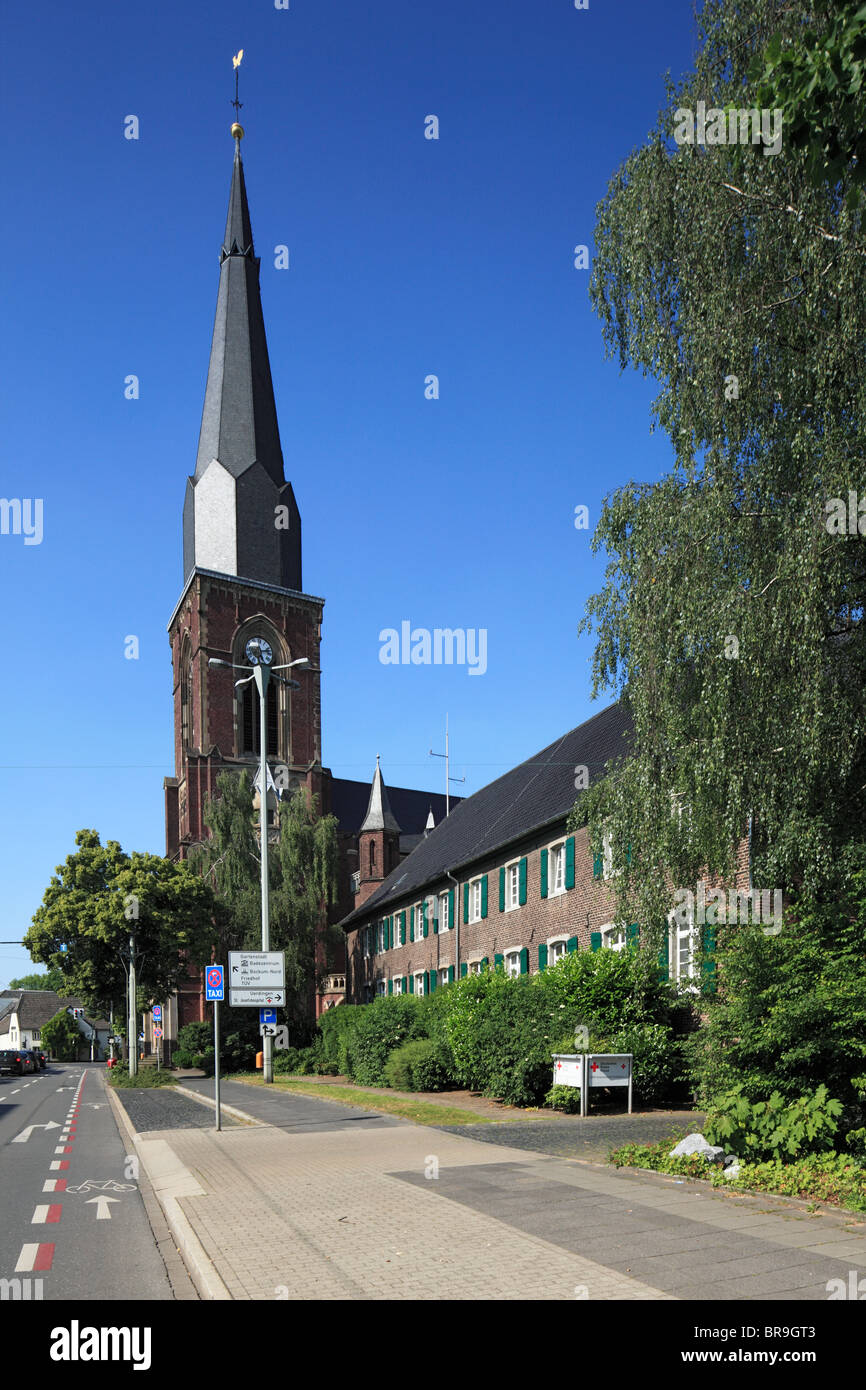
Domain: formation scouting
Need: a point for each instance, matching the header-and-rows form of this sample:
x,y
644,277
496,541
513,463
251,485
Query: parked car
x,y
40,1057
18,1061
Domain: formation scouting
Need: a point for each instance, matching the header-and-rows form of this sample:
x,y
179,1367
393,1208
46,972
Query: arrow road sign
x,y
279,1033
103,1210
257,969
249,998
26,1133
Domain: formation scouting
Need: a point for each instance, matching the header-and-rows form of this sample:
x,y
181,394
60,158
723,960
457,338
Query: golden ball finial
x,y
237,131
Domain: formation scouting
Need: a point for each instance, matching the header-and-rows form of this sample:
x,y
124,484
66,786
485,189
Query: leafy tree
x,y
52,979
816,75
61,1036
93,901
302,867
731,617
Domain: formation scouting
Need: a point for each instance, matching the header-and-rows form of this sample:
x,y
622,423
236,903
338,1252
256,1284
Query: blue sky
x,y
407,257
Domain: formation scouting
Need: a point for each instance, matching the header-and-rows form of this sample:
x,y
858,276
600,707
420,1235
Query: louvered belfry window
x,y
250,720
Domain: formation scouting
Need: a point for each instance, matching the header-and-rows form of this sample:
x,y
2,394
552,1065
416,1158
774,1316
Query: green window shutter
x,y
390,941
522,882
569,862
483,895
502,889
708,964
424,918
433,980
597,865
451,909
632,934
451,974
571,944
464,970
426,981
542,956
595,940
435,916
465,902
411,924
497,961
405,984
390,986
524,961
403,928
411,984
664,960
544,873
628,854
485,963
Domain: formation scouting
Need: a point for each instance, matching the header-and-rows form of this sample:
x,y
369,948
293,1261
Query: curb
x,y
199,1265
229,1109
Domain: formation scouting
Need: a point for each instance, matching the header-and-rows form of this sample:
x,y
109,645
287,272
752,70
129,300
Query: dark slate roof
x,y
379,814
239,421
34,1006
350,799
536,793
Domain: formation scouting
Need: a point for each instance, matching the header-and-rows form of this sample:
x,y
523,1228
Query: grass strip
x,y
421,1112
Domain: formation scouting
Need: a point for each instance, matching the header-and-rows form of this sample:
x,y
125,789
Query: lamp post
x,y
260,656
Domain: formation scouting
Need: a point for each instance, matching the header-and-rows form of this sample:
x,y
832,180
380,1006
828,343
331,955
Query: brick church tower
x,y
242,571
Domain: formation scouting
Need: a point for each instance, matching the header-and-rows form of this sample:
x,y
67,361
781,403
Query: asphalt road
x,y
71,1214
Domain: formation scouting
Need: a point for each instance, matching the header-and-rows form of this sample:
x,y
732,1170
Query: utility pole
x,y
133,1030
261,675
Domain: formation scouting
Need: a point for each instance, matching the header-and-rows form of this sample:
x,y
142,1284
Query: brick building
x,y
501,881
242,578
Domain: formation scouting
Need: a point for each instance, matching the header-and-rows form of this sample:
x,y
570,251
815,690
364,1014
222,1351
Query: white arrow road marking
x,y
65,1088
26,1133
95,1107
103,1210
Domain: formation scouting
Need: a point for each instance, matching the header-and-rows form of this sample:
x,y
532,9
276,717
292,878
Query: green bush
x,y
420,1065
657,1063
383,1025
195,1037
337,1029
564,1098
773,1129
286,1060
205,1061
183,1059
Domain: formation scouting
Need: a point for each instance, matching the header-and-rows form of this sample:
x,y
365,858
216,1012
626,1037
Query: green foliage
x,y
817,78
286,1061
773,1129
183,1059
195,1037
382,1026
337,1028
563,1098
302,882
144,1079
791,1009
657,1063
765,408
61,1036
420,1065
93,901
830,1177
52,979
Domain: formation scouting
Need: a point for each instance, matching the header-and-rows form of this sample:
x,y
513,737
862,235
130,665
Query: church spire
x,y
379,814
240,515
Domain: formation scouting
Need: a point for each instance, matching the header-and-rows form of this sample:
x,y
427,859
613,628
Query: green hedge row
x,y
495,1034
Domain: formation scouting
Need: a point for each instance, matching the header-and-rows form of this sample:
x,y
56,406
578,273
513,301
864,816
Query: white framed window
x,y
381,943
381,987
682,949
443,975
365,942
512,885
512,962
395,930
419,982
614,938
556,949
607,857
397,985
556,869
444,919
475,900
474,967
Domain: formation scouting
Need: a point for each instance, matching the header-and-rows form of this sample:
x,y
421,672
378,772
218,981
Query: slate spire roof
x,y
239,420
379,814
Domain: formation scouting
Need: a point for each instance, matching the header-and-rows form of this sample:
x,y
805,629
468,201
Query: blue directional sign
x,y
215,983
267,1015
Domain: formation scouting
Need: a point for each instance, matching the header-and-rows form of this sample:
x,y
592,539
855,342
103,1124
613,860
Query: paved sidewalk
x,y
325,1207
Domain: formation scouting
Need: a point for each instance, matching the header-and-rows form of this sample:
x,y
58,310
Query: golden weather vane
x,y
237,129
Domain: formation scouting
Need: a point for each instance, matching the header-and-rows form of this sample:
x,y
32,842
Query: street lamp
x,y
260,656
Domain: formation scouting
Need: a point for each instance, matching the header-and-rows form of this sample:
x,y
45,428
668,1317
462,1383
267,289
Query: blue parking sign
x,y
214,983
267,1015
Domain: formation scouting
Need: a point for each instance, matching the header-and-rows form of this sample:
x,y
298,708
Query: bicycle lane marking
x,y
38,1257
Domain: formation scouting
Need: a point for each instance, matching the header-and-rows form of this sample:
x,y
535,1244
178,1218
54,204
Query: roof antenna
x,y
237,128
448,778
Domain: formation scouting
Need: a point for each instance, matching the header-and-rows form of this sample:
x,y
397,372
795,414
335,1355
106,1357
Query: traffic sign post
x,y
215,989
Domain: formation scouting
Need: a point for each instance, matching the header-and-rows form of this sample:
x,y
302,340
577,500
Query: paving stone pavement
x,y
590,1136
355,1212
163,1109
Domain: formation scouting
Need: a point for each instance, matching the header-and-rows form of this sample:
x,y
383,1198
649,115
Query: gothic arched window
x,y
372,856
185,696
251,720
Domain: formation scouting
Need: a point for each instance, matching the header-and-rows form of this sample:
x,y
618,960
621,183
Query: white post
x,y
131,1020
261,676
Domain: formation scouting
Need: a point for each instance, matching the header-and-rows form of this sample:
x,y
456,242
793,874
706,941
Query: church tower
x,y
241,565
